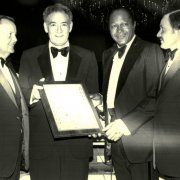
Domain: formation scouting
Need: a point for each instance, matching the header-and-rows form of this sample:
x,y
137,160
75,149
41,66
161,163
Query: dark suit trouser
x,y
125,170
16,173
59,166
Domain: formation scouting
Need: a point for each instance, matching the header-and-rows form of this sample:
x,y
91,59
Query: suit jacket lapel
x,y
74,64
45,65
175,67
25,118
7,88
130,59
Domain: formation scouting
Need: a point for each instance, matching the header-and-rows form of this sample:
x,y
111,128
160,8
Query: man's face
x,y
121,27
7,36
168,36
58,26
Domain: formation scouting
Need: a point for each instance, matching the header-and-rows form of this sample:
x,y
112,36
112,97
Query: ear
x,y
45,27
70,26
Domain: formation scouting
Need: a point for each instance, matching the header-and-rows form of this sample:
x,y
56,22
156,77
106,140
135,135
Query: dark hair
x,y
7,17
57,8
128,11
174,19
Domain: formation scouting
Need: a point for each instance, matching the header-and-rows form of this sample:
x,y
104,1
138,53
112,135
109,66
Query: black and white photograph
x,y
90,90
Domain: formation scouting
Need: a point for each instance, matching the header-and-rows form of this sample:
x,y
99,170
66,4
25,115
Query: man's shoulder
x,y
34,49
79,49
110,49
145,43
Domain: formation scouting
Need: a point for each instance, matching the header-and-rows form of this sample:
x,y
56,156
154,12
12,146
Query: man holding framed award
x,y
69,109
57,61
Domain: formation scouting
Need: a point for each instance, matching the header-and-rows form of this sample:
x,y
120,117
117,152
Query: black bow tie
x,y
2,61
170,54
63,51
121,51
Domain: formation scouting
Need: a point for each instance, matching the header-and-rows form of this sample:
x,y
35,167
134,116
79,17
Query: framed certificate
x,y
69,110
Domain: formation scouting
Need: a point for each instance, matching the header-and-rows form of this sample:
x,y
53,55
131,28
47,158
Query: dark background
x,y
90,28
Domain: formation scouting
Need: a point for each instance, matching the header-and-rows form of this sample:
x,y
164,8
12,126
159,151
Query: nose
x,y
59,29
119,28
14,38
159,34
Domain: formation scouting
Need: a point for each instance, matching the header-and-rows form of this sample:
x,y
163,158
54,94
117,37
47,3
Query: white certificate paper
x,y
71,108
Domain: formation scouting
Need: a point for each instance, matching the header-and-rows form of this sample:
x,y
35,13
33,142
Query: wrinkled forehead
x,y
59,16
120,15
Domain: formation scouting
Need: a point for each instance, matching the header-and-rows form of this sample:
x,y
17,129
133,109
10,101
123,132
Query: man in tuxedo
x,y
50,158
167,116
14,127
130,75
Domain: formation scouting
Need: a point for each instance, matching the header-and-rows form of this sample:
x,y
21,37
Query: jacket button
x,y
18,118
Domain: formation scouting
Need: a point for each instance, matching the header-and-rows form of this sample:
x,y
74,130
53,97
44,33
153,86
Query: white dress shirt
x,y
59,64
114,75
113,80
170,62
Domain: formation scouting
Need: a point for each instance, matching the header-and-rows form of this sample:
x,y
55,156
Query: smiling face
x,y
121,27
58,26
7,37
169,37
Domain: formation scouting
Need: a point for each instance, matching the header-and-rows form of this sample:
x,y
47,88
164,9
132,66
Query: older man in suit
x,y
50,158
131,70
167,116
14,122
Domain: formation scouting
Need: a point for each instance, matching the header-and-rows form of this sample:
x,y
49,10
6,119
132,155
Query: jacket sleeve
x,y
91,82
24,76
144,111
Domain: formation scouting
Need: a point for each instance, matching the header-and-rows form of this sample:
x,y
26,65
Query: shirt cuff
x,y
31,99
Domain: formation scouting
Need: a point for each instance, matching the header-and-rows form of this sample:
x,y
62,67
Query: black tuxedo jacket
x,y
135,95
13,117
167,122
35,64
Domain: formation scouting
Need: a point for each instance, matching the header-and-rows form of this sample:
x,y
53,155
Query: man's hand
x,y
97,99
35,96
113,130
116,129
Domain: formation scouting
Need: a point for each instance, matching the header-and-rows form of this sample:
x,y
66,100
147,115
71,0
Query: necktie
x,y
2,61
63,51
121,51
170,54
